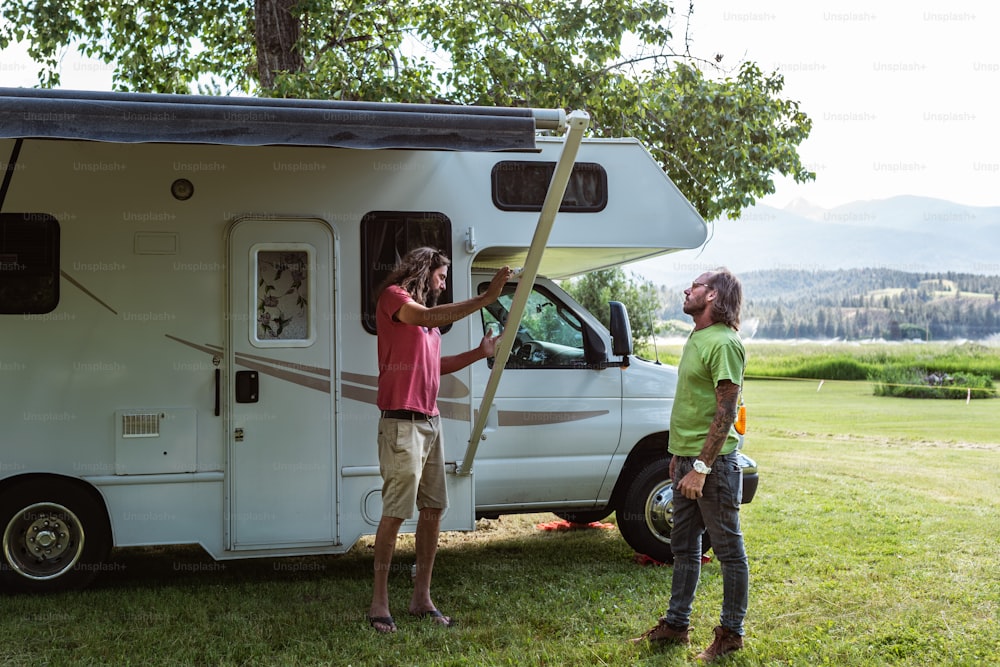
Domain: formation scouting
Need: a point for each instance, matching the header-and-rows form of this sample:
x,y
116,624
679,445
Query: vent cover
x,y
152,440
141,425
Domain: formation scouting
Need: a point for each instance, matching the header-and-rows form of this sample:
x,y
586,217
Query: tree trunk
x,y
277,31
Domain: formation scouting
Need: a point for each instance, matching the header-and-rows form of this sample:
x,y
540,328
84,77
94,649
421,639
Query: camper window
x,y
386,237
29,263
522,185
283,302
549,335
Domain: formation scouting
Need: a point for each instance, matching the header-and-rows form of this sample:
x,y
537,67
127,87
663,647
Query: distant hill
x,y
907,233
862,304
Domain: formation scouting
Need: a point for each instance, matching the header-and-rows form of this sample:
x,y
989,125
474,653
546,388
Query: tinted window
x,y
386,237
29,263
521,186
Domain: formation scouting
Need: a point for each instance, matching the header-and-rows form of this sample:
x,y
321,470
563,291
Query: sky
x,y
900,93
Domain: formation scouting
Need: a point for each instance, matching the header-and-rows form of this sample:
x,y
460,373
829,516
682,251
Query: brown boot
x,y
663,633
726,641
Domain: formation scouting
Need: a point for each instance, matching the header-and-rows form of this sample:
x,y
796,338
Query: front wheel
x,y
55,536
646,518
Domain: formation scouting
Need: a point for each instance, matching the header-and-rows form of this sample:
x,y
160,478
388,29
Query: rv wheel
x,y
55,536
647,515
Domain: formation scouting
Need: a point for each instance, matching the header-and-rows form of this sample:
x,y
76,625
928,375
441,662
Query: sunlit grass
x,y
872,540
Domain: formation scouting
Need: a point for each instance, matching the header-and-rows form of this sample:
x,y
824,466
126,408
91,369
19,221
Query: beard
x,y
432,297
693,307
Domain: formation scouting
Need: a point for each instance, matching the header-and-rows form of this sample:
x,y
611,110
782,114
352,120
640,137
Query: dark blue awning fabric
x,y
32,113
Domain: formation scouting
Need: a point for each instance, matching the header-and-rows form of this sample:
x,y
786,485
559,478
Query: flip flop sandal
x,y
437,617
375,621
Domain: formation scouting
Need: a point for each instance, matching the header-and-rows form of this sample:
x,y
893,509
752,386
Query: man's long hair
x,y
414,271
729,297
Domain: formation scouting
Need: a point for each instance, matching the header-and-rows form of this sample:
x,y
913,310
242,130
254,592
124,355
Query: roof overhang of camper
x,y
31,113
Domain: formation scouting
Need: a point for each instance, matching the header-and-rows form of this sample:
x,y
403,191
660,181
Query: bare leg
x,y
385,545
428,529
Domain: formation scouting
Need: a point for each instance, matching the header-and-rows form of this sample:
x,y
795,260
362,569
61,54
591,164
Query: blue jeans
x,y
718,513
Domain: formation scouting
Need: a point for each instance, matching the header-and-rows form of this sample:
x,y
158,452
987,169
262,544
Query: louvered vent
x,y
141,426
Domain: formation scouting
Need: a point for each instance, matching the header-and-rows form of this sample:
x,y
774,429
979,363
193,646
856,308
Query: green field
x,y
855,361
872,539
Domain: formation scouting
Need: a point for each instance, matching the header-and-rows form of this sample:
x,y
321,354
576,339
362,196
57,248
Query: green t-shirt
x,y
710,355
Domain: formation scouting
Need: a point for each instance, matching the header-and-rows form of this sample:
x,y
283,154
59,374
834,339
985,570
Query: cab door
x,y
282,450
558,417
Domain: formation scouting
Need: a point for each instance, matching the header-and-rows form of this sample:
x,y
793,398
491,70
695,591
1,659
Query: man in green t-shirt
x,y
707,477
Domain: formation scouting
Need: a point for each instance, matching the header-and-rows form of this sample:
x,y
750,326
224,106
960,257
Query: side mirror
x,y
621,330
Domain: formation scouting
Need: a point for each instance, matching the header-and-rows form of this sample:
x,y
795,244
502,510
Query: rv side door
x,y
281,459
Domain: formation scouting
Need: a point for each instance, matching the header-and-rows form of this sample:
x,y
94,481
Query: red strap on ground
x,y
643,559
566,525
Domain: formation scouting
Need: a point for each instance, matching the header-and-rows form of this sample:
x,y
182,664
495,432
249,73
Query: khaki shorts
x,y
411,460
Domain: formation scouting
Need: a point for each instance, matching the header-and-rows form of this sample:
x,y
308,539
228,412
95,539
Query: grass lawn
x,y
872,539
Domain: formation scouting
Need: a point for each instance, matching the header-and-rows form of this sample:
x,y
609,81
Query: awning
x,y
32,113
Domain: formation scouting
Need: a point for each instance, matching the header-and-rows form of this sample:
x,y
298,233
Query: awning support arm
x,y
577,123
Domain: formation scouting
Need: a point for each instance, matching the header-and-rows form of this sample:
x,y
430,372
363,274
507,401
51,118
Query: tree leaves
x,y
720,136
595,289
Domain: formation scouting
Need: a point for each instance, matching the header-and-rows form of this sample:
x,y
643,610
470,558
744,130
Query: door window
x,y
550,335
283,307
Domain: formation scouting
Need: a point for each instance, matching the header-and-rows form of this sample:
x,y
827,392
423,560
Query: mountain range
x,y
905,233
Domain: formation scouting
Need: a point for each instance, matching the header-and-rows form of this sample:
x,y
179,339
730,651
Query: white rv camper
x,y
188,348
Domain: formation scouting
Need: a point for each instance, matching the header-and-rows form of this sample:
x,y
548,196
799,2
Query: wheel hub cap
x,y
47,536
660,511
43,541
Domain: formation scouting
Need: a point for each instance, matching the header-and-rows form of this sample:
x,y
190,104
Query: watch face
x,y
700,466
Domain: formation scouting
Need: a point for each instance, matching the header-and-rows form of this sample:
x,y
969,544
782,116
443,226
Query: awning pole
x,y
577,123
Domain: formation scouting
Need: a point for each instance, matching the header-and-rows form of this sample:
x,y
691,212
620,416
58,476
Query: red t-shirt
x,y
409,358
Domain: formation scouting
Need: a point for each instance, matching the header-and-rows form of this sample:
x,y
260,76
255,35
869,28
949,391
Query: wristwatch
x,y
700,467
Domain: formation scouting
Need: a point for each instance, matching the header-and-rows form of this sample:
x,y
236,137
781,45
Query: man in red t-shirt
x,y
411,455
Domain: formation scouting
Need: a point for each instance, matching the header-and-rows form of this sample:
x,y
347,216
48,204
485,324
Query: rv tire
x,y
55,536
645,518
